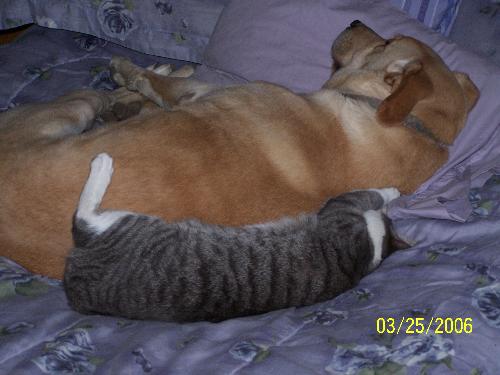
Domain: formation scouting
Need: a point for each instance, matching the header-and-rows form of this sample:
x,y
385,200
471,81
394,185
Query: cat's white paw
x,y
388,194
102,166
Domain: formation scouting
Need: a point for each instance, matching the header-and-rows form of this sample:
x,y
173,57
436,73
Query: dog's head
x,y
406,75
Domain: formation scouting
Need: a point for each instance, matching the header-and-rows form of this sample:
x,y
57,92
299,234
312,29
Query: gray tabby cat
x,y
141,267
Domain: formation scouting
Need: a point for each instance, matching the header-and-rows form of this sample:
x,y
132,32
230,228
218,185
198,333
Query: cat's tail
x,y
89,221
101,170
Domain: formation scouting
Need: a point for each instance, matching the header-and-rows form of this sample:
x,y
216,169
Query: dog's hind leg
x,y
77,112
164,88
68,115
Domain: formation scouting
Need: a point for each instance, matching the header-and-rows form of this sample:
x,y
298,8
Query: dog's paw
x,y
162,70
124,104
184,71
388,194
124,72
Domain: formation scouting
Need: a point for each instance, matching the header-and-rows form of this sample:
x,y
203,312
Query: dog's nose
x,y
356,23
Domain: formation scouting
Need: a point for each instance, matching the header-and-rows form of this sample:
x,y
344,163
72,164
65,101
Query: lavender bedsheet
x,y
454,272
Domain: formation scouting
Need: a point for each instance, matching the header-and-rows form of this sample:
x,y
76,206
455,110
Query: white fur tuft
x,y
101,170
162,70
388,194
376,229
398,66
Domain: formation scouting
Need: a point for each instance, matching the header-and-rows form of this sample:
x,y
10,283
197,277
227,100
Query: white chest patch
x,y
355,118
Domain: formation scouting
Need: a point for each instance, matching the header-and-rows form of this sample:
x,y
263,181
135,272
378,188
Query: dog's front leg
x,y
163,87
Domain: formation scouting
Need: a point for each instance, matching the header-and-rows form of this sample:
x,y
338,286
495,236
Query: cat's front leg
x,y
363,200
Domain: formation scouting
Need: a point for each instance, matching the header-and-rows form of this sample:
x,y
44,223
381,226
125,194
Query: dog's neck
x,y
411,121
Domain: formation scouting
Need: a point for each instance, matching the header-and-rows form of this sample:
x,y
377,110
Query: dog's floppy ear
x,y
410,84
470,90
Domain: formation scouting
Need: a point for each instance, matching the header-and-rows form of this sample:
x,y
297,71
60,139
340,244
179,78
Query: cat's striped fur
x,y
141,267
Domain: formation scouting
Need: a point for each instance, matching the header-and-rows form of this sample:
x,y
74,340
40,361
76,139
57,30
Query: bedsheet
x,y
39,334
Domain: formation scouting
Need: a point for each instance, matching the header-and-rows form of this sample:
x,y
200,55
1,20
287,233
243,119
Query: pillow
x,y
483,34
439,15
170,28
288,42
177,29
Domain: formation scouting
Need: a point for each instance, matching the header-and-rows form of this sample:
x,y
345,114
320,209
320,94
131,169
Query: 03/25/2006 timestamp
x,y
417,326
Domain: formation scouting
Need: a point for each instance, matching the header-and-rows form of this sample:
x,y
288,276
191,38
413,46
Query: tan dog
x,y
237,155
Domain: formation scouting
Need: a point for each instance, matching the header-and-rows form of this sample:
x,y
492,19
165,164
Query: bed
x,y
448,281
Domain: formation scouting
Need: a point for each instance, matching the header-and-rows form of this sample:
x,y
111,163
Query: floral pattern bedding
x,y
349,335
46,63
177,29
